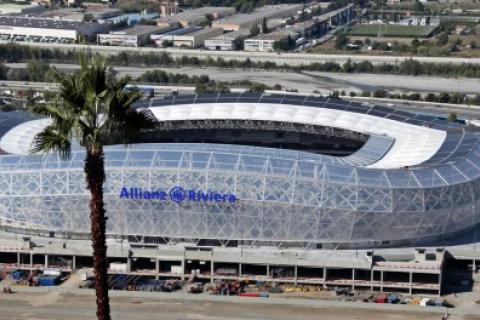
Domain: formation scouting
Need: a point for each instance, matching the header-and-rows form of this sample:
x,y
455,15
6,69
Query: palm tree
x,y
92,108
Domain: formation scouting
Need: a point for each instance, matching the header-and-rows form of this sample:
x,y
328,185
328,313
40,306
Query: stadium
x,y
277,170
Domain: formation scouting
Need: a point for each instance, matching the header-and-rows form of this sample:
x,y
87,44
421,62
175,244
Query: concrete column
x,y
440,282
240,270
410,279
371,279
183,268
74,263
295,274
157,268
353,279
46,260
268,271
325,277
129,264
381,280
31,260
212,270
18,258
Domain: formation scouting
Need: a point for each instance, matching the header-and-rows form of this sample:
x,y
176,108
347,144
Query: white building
x,y
131,37
22,27
188,37
266,42
226,42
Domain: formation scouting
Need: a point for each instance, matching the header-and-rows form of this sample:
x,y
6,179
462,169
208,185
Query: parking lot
x,y
23,38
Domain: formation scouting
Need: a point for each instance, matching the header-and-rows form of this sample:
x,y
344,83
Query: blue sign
x,y
177,195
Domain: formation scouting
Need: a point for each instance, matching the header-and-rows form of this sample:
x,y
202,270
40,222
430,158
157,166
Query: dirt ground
x,y
53,306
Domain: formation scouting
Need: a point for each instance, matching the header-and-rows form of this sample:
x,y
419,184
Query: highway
x,y
308,81
293,59
463,111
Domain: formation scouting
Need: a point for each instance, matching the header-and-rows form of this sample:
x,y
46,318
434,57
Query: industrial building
x,y
314,28
10,8
195,17
131,18
136,36
22,27
187,37
266,42
64,14
248,20
339,16
228,41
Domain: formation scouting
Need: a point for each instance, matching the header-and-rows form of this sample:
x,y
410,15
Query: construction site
x,y
412,271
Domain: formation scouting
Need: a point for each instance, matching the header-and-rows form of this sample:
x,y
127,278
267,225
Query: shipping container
x,y
48,281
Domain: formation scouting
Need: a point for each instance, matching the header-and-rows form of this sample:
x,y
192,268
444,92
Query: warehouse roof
x,y
194,14
42,23
232,35
138,30
260,13
274,36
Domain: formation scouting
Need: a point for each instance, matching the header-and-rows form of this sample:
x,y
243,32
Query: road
x,y
306,83
293,59
309,81
60,306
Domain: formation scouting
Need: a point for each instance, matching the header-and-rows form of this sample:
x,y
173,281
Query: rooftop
x,y
194,14
233,35
7,8
259,13
138,30
43,23
275,36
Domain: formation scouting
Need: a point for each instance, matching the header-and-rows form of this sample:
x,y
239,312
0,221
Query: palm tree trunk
x,y
95,175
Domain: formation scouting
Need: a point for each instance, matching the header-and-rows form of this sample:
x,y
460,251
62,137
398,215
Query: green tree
x,y
284,45
3,71
341,41
265,25
257,87
379,93
452,117
196,4
419,7
254,30
94,110
442,39
348,66
167,43
38,70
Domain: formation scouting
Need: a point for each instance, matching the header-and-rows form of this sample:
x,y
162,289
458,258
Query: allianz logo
x,y
176,194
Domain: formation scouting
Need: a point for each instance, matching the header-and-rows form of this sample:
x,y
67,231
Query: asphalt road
x,y
281,58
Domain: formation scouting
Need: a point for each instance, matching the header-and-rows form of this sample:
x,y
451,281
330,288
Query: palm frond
x,y
123,121
52,140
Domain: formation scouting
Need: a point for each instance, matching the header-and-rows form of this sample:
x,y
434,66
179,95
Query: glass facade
x,y
280,195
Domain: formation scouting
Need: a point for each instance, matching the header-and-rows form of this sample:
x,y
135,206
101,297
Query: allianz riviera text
x,y
177,194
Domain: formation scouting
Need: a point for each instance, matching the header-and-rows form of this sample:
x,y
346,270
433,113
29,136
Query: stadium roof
x,y
419,150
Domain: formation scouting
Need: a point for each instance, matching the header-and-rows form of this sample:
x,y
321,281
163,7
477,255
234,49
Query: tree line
x,y
17,53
